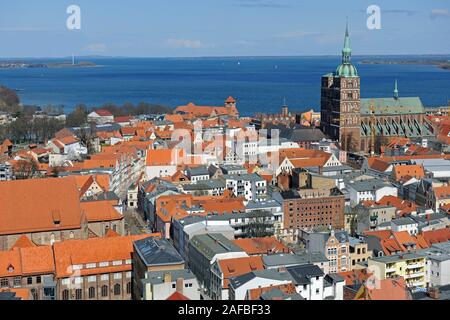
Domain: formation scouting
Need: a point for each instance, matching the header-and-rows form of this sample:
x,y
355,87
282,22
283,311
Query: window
x,y
91,265
65,282
29,280
92,279
17,281
128,274
38,279
117,276
78,294
34,294
104,291
65,294
91,293
129,288
117,263
104,277
4,282
103,264
117,289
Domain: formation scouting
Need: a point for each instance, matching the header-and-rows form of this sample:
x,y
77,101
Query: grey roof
x,y
366,185
198,171
333,278
277,294
212,244
8,296
330,169
109,195
270,203
444,294
244,177
231,167
306,134
303,274
154,252
157,277
273,274
403,221
205,185
397,257
282,259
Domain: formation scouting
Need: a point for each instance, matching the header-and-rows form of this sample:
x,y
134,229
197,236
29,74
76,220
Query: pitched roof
x,y
238,266
387,289
163,157
39,205
436,236
103,113
177,296
256,293
23,242
442,192
100,211
96,250
157,252
401,171
378,164
264,245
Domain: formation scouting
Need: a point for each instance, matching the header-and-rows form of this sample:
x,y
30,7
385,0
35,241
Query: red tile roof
x,y
95,250
177,296
238,266
38,205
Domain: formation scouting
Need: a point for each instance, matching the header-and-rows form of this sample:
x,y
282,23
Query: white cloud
x,y
185,43
435,13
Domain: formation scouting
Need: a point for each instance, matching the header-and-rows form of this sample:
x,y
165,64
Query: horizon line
x,y
221,56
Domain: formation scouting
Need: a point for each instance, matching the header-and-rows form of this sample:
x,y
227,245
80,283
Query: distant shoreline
x,y
26,65
442,64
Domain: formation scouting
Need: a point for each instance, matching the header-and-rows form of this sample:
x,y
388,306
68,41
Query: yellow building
x,y
410,266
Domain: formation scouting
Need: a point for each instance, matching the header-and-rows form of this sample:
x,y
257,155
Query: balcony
x,y
417,265
413,275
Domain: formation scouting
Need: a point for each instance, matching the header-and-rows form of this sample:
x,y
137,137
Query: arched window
x,y
91,293
65,294
117,289
129,288
78,294
104,291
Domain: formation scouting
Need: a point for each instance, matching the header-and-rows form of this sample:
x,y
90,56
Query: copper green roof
x,y
392,106
346,69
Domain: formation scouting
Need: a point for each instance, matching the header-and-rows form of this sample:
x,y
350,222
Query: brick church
x,y
347,118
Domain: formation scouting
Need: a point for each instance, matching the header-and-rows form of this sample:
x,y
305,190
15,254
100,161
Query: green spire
x,y
396,89
347,51
346,69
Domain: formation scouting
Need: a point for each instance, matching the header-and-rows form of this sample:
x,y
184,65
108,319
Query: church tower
x,y
341,102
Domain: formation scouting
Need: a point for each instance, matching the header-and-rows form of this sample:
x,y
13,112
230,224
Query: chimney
x,y
167,277
180,285
282,269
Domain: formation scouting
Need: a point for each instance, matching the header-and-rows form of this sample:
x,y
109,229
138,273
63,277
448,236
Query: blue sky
x,y
181,28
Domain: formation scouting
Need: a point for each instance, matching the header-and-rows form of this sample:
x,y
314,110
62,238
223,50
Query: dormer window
x,y
10,268
56,216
